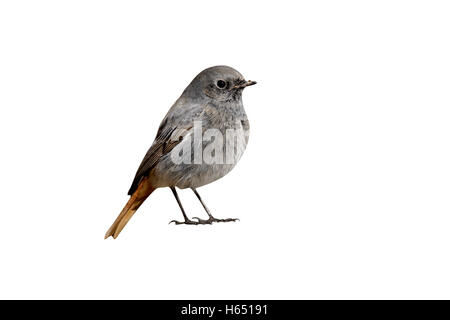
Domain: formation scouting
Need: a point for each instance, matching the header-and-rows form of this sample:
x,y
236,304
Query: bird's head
x,y
220,83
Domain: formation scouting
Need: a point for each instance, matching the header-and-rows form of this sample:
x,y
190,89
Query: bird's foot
x,y
212,219
187,221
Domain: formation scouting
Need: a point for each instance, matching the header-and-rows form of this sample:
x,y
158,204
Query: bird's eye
x,y
221,84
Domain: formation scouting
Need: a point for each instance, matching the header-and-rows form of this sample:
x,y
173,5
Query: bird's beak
x,y
243,85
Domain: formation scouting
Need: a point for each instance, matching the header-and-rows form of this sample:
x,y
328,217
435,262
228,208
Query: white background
x,y
343,191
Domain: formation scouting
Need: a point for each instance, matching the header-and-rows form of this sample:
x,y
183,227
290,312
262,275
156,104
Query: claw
x,y
203,221
227,220
184,222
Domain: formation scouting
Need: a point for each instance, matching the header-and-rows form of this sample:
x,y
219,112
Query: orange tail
x,y
137,198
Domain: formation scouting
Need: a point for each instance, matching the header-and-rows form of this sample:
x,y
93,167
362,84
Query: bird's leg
x,y
211,219
186,219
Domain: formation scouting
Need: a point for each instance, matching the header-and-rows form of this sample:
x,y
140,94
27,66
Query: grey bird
x,y
178,158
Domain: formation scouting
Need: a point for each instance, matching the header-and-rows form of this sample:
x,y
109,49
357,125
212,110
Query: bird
x,y
200,140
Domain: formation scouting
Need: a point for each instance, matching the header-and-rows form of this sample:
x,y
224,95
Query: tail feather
x,y
137,198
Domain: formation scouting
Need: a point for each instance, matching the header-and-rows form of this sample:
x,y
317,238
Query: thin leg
x,y
186,219
201,201
211,218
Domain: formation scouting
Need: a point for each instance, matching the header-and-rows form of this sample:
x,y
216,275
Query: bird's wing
x,y
165,141
170,133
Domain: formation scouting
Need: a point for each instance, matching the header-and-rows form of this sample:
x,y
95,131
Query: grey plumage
x,y
213,99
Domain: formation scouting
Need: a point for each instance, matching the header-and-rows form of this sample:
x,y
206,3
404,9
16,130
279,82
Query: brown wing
x,y
164,142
